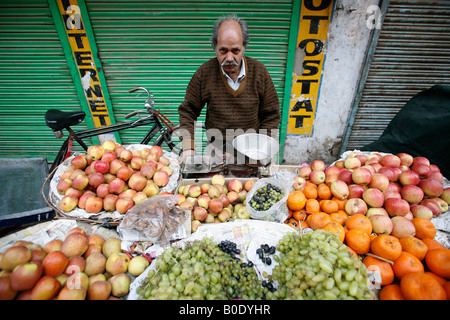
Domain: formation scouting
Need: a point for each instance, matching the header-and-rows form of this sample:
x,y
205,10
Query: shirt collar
x,y
241,73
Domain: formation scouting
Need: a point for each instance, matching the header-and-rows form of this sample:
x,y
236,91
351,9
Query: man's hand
x,y
184,155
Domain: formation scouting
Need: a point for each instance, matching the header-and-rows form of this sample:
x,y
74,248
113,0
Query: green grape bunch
x,y
318,266
201,270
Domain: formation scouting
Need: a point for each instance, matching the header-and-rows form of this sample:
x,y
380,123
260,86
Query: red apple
x,y
96,179
157,150
396,207
161,178
101,166
115,165
411,193
421,160
94,205
109,202
137,181
373,197
200,213
390,160
124,204
108,156
433,206
405,159
235,185
391,194
355,191
351,163
409,177
215,206
422,169
431,188
346,176
388,172
82,201
332,170
355,206
361,176
318,165
304,171
402,227
379,181
95,152
79,162
148,169
421,211
25,275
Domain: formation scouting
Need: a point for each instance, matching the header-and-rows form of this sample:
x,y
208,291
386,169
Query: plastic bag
x,y
156,218
279,211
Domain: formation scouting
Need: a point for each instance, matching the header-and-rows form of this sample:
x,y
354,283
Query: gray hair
x,y
242,23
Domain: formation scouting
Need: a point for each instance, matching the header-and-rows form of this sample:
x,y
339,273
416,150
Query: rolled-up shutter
x,y
160,44
412,54
34,77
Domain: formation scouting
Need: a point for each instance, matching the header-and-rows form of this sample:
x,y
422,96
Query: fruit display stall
x,y
367,226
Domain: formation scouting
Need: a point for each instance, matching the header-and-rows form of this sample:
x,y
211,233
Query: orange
x,y
446,287
296,200
299,215
359,221
386,246
438,261
340,216
324,191
318,220
335,228
310,190
414,246
391,292
340,202
312,206
433,244
424,228
421,286
407,263
329,206
304,225
384,268
352,252
441,280
358,240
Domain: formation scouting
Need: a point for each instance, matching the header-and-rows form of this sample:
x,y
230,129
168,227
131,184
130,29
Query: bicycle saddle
x,y
58,120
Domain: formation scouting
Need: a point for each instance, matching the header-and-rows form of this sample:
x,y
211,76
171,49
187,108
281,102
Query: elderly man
x,y
238,91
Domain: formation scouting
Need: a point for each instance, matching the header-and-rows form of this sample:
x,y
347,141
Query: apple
x,y
156,150
124,204
373,197
433,206
431,188
391,194
68,203
116,186
393,186
405,158
390,160
317,165
445,195
108,156
421,211
409,177
317,176
332,170
63,185
80,182
346,176
195,224
298,182
233,197
224,215
351,163
362,158
381,224
73,192
200,213
136,162
46,288
339,189
101,166
421,160
304,172
96,179
225,200
379,181
95,152
411,193
161,178
137,181
139,197
94,205
388,172
355,206
235,185
422,169
79,162
218,179
215,206
115,165
376,211
109,202
436,175
355,191
361,176
441,203
125,155
213,192
402,227
194,191
151,189
329,179
396,207
166,169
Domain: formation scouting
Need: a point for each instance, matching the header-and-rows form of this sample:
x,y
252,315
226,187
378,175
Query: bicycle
x,y
59,120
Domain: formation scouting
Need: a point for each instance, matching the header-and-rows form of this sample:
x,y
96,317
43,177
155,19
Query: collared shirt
x,y
235,84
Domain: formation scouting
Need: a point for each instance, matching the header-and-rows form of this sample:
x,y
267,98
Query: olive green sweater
x,y
255,105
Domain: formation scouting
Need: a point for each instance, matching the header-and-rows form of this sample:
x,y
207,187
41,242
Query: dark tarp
x,y
420,128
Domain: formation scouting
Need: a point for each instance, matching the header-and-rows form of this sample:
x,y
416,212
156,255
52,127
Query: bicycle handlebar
x,y
149,103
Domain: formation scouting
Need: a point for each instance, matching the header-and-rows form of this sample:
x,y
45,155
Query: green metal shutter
x,y
412,54
160,44
34,77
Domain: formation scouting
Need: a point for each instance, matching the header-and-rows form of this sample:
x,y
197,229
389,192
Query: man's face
x,y
229,48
